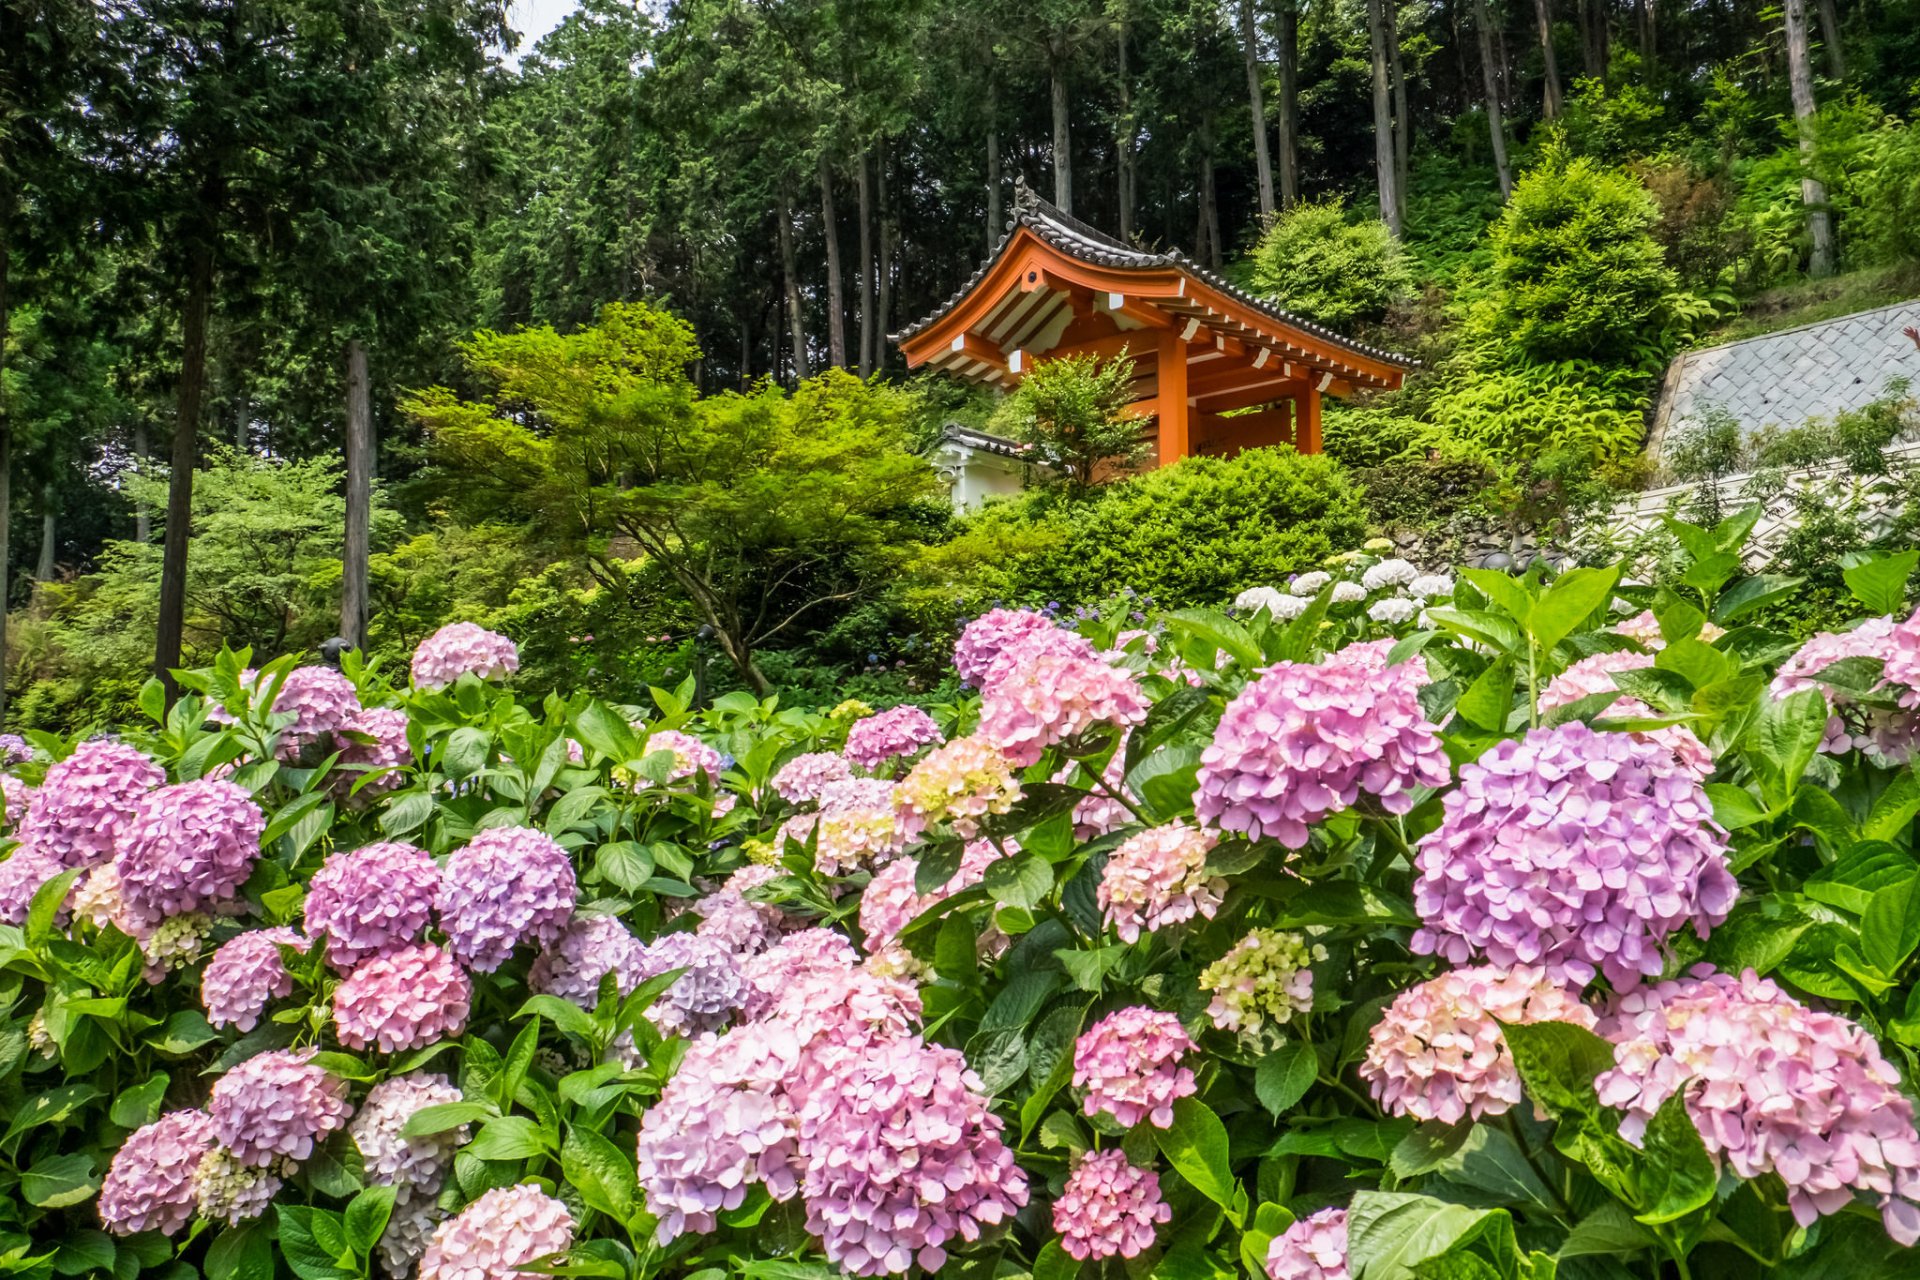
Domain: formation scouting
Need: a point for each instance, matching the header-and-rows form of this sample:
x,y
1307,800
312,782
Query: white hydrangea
x,y
1309,584
1254,598
1287,608
1393,611
1429,585
1389,573
1348,593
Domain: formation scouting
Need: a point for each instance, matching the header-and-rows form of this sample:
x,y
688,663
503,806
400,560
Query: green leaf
x,y
508,1138
1489,699
1390,1232
56,1181
1053,1262
50,1107
1608,1231
313,1241
1426,1148
1020,880
1890,930
244,1252
571,809
43,912
1880,584
1751,593
428,1121
1789,732
1895,808
465,752
607,732
1734,807
1196,1146
1558,1062
1335,902
366,1218
140,1104
569,1017
184,1032
1283,1077
1165,780
1506,592
1573,597
84,1251
1677,1175
602,1172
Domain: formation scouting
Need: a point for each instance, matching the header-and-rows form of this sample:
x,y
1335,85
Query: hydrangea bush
x,y
1528,926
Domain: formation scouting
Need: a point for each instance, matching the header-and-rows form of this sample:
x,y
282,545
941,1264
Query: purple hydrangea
x,y
245,974
1594,675
21,876
14,749
780,968
385,757
460,649
189,848
496,1235
702,997
589,948
1128,1063
405,999
745,925
149,1185
897,731
86,802
1576,850
321,700
983,639
17,797
276,1106
1110,1207
370,901
1050,697
508,885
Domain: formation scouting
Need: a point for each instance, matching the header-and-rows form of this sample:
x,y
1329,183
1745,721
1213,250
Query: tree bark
x,y
1496,125
1593,38
1830,37
1543,11
142,519
357,542
1289,103
1209,198
1128,132
1402,121
1384,168
1647,24
996,219
790,271
868,345
186,443
889,251
1813,193
1062,135
1262,162
49,520
836,294
6,433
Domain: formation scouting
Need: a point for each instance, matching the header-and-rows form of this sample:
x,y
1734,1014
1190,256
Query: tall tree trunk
x,y
356,546
1647,27
1383,160
889,252
996,220
1402,121
1262,162
6,432
1209,197
1543,11
241,413
836,295
1830,37
49,519
1128,132
1289,103
790,271
186,443
1593,38
1496,125
869,345
1062,135
142,519
1812,192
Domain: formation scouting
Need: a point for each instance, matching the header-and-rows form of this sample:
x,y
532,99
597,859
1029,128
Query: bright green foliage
x,y
1069,414
1577,274
1507,413
1317,261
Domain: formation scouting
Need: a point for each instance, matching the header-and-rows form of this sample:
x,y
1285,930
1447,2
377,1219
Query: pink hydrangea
x,y
983,639
385,757
321,700
960,783
86,802
690,755
767,976
277,1105
497,1235
892,901
1302,742
190,847
848,1004
1773,1087
459,649
1437,1052
17,797
745,925
587,950
1055,697
392,1159
1159,877
21,876
370,901
149,1185
1576,850
1109,1207
1594,675
1313,1248
855,829
1102,811
1883,732
245,974
897,731
508,885
800,779
723,1123
1129,1065
1902,660
97,900
405,999
902,1157
701,998
1644,629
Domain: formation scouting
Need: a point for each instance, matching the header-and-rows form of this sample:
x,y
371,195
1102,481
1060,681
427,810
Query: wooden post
x,y
1174,413
1306,419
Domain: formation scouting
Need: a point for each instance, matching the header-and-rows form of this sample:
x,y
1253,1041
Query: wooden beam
x,y
1175,417
974,347
1108,347
1247,397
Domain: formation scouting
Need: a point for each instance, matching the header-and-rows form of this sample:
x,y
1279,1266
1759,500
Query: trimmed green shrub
x,y
1317,261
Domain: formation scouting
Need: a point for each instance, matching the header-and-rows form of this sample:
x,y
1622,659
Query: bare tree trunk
x,y
1289,103
1262,162
142,519
1062,136
1496,126
1128,132
1543,10
1813,193
996,220
1209,198
6,433
790,270
1402,121
869,345
186,441
1384,168
1830,37
1647,22
1593,38
836,295
357,541
889,252
49,513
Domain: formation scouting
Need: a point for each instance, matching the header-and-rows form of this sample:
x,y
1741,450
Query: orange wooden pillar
x,y
1306,419
1175,417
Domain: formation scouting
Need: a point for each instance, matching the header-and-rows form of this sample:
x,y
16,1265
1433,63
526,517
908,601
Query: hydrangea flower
x,y
1348,593
87,801
1309,584
1644,629
174,943
378,1129
983,639
844,1005
892,901
321,700
149,1185
16,797
370,901
14,749
1773,1087
1159,877
723,1123
1430,586
405,999
508,885
1594,675
1261,982
902,1156
1101,811
1129,1065
702,997
590,947
1392,611
1276,602
800,779
225,1190
1302,742
1577,850
744,925
189,847
1388,573
690,755
1437,1052
410,1227
1109,1207
1313,1248
1054,697
459,649
786,964
496,1235
856,827
1884,733
245,974
959,783
385,757
277,1105
97,899
897,731
21,876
